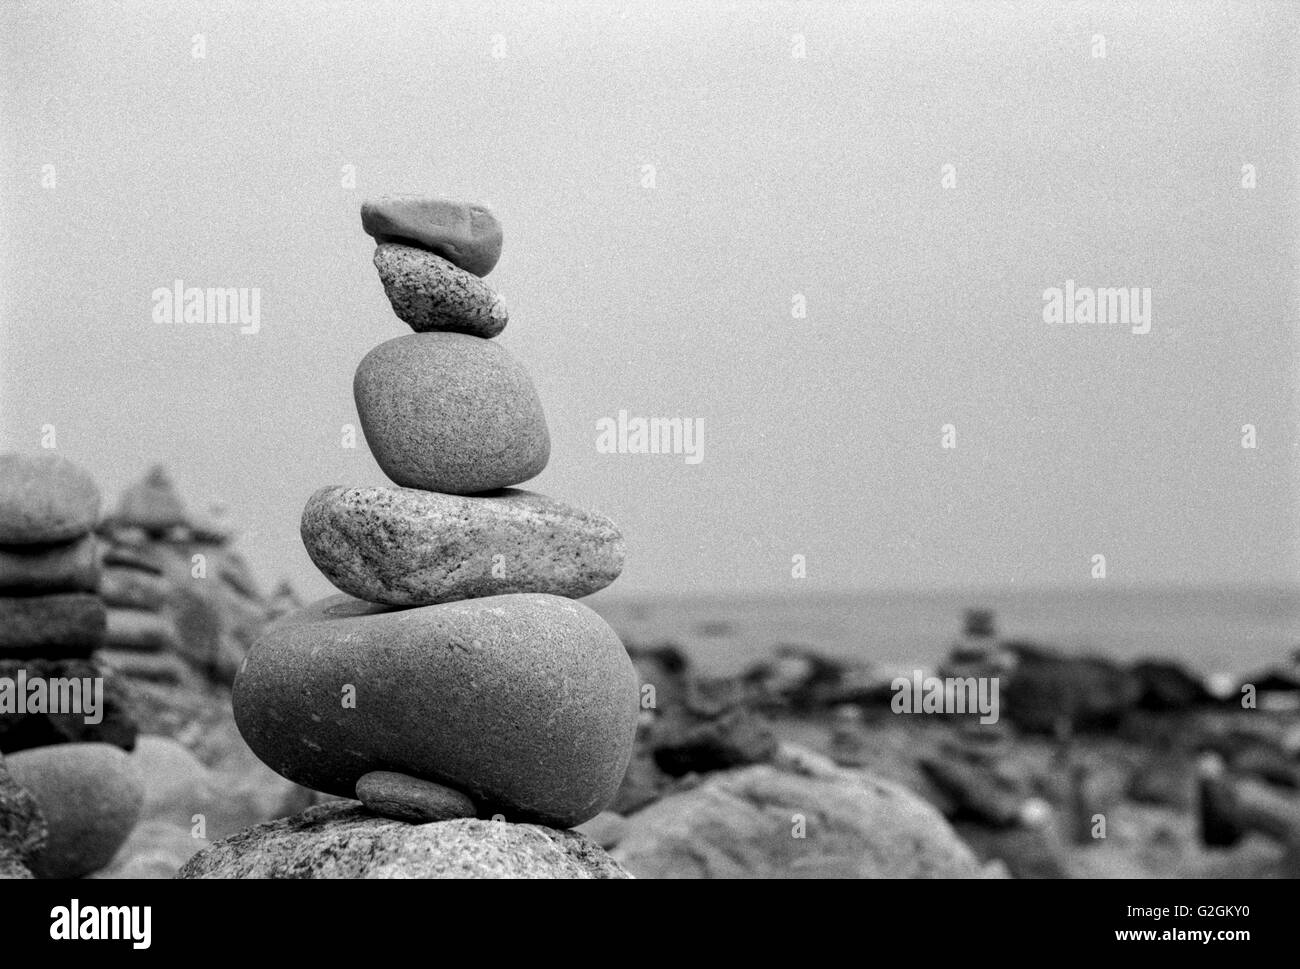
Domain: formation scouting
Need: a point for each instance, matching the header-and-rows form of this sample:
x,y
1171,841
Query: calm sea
x,y
1212,630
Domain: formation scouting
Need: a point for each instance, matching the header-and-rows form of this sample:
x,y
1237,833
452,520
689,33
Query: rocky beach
x,y
456,710
798,765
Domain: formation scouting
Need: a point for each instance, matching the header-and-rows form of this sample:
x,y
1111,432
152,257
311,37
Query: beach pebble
x,y
464,233
66,624
429,293
450,412
90,795
406,798
407,547
526,703
45,498
65,567
138,631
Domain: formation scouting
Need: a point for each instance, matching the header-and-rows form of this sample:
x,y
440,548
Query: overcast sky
x,y
669,292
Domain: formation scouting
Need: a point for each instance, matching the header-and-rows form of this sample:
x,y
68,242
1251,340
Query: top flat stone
x,y
45,498
466,234
152,503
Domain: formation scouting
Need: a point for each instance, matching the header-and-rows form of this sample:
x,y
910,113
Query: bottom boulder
x,y
343,840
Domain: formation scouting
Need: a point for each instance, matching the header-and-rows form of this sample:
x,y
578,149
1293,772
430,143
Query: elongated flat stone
x,y
61,626
136,630
464,233
450,412
405,798
429,293
131,588
525,703
407,547
65,567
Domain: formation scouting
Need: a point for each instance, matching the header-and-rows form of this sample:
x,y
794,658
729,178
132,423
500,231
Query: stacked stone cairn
x,y
68,794
456,677
182,606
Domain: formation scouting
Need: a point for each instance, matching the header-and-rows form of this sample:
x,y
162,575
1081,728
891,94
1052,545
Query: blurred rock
x,y
683,744
59,625
163,668
1276,688
666,670
797,678
155,849
63,567
90,796
1051,693
23,730
1166,777
1166,686
606,829
44,499
247,791
152,505
1027,851
801,817
222,800
644,783
975,790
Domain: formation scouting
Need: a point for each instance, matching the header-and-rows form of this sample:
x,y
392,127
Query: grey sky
x,y
773,176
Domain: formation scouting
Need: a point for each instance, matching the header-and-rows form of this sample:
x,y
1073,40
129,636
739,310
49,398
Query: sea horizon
x,y
1212,628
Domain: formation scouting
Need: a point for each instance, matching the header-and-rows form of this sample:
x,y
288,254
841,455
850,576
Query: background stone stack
x,y
51,617
67,801
457,677
183,607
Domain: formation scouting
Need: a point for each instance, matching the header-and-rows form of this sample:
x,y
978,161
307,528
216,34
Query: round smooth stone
x,y
64,625
90,795
429,293
67,567
406,798
407,547
45,498
464,233
450,412
525,703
